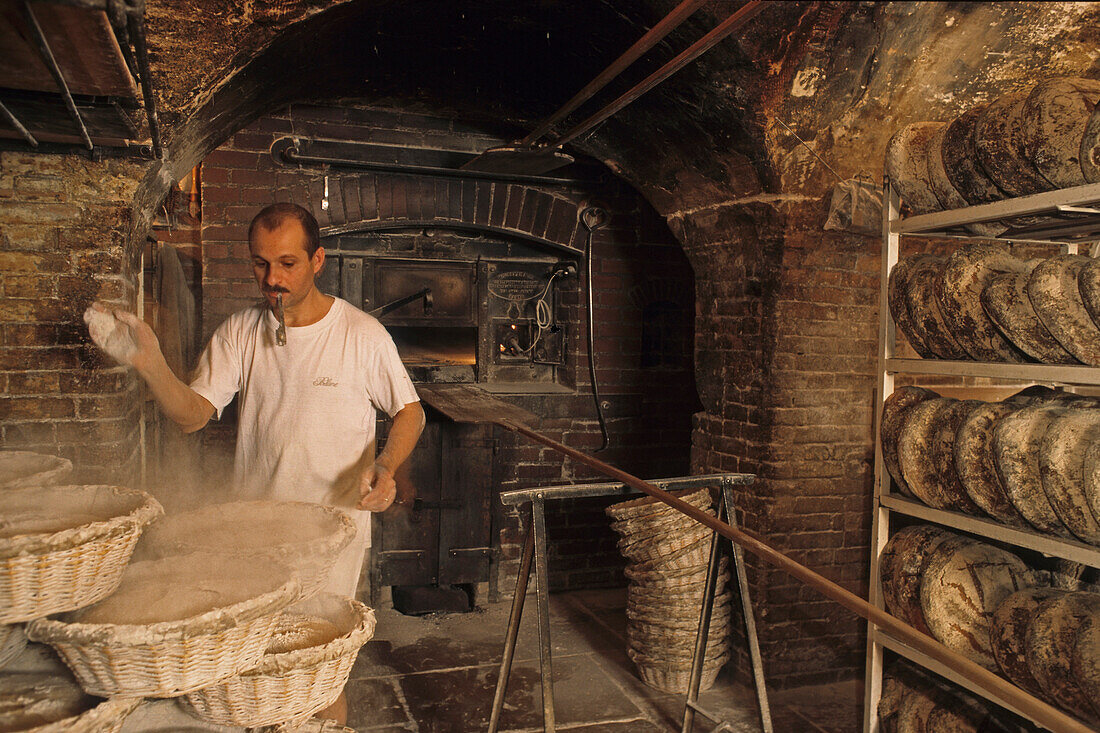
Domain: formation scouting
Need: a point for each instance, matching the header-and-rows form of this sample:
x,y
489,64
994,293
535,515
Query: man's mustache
x,y
276,289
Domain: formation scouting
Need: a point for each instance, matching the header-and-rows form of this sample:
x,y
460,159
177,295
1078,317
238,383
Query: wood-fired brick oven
x,y
481,309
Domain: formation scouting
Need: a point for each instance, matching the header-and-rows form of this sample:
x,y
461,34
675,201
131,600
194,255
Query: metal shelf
x,y
1073,211
884,639
1052,373
1046,544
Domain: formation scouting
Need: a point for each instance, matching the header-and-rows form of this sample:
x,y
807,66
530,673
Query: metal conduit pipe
x,y
136,15
593,218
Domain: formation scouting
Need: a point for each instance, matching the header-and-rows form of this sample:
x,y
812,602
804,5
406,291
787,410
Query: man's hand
x,y
148,346
377,488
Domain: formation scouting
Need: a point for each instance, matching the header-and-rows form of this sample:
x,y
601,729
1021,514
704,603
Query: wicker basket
x,y
55,570
106,717
656,547
636,529
321,533
289,687
692,556
684,595
167,658
647,506
12,642
675,677
21,469
670,578
665,614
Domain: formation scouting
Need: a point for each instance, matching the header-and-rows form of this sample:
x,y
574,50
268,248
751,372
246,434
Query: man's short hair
x,y
274,216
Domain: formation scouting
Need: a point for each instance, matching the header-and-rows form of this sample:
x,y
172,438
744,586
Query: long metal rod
x,y
55,71
982,678
739,17
523,581
291,155
542,598
651,38
137,34
11,118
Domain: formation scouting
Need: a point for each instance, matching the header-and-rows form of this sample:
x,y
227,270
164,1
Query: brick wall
x,y
650,394
786,361
63,224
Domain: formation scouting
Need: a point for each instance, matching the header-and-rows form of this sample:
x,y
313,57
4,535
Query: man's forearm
x,y
176,400
407,425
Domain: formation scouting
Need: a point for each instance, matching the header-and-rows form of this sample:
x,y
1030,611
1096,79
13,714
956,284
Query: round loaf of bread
x,y
976,464
924,308
1085,664
1061,469
998,136
1090,148
1053,291
1008,634
1088,285
1016,440
1055,116
961,163
966,273
918,431
907,155
1007,304
894,410
949,196
896,288
962,586
915,708
946,427
901,566
1091,479
1051,639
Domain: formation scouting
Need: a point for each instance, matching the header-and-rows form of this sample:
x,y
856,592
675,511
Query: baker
x,y
307,391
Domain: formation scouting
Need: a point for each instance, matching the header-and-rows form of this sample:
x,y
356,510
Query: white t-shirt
x,y
306,410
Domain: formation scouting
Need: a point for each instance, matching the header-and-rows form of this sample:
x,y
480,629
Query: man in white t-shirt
x,y
306,409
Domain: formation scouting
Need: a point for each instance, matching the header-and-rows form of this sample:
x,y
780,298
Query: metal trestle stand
x,y
535,550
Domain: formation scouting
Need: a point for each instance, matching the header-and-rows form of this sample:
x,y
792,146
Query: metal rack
x,y
1070,218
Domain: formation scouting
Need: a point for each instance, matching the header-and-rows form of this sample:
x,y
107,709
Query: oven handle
x,y
425,293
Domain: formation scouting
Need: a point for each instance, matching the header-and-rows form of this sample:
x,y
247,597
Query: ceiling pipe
x,y
739,18
136,15
652,37
55,70
18,126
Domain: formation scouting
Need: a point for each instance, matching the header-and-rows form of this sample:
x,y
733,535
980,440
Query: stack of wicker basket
x,y
668,553
217,628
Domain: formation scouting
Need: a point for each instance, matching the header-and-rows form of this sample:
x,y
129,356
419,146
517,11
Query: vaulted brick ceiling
x,y
841,75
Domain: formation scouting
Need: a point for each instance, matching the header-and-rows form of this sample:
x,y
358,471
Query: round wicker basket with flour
x,y
963,584
1055,115
1061,469
174,625
1051,638
64,547
1016,440
1008,634
976,464
303,670
1052,288
1006,301
894,410
20,469
901,567
967,271
44,702
307,537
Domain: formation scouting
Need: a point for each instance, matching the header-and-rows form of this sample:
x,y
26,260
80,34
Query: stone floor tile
x,y
374,703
